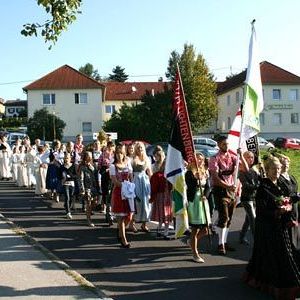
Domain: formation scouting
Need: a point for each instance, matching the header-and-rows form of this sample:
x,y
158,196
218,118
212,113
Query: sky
x,y
139,35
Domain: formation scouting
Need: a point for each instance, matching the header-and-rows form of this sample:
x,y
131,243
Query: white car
x,y
264,144
201,140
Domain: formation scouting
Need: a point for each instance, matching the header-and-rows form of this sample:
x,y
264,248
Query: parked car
x,y
13,136
264,144
206,150
287,143
201,140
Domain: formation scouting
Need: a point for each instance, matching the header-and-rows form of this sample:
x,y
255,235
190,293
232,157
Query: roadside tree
x,y
45,125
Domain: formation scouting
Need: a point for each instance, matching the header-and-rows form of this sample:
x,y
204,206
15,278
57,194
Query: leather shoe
x,y
221,249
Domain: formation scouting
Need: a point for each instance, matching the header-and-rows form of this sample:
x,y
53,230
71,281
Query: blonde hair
x,y
143,155
200,168
282,157
270,162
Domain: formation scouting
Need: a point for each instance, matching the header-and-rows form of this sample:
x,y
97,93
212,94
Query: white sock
x,y
226,234
166,232
221,233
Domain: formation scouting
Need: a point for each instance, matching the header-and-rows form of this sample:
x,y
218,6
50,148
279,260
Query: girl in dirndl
x,y
120,170
160,194
196,179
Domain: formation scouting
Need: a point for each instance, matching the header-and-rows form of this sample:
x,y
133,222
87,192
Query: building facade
x,y
14,107
281,92
73,97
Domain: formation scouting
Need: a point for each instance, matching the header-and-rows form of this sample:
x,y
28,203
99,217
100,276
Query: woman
x,y
289,186
250,182
6,153
88,184
120,171
160,194
274,266
141,177
198,208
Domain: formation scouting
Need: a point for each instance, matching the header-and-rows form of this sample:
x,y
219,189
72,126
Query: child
x,y
160,194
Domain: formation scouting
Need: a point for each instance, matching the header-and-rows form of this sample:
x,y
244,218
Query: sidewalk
x,y
29,271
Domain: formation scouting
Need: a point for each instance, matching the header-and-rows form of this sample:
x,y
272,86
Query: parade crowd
x,y
131,189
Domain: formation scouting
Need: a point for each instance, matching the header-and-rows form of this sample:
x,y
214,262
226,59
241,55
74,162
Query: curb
x,y
83,282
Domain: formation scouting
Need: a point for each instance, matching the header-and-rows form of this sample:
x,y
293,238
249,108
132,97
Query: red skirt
x,y
119,207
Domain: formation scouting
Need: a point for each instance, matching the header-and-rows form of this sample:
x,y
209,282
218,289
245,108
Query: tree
x,y
118,74
138,122
63,13
88,69
198,84
45,125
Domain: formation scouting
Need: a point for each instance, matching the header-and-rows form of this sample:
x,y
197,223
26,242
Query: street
x,y
151,269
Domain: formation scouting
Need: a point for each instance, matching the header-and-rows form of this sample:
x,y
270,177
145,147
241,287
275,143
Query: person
x,y
88,184
198,208
41,165
52,177
130,152
141,177
78,150
274,266
222,167
120,171
160,194
289,186
5,158
250,181
68,177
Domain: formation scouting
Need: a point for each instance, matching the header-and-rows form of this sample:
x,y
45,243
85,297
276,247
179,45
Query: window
x,y
87,126
277,119
81,98
48,99
294,118
276,94
20,109
262,119
237,97
228,100
109,109
11,110
228,122
293,94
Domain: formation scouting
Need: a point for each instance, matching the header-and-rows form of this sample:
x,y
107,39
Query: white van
x,y
13,136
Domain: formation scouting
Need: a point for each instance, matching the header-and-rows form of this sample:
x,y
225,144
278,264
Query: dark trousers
x,y
68,193
225,204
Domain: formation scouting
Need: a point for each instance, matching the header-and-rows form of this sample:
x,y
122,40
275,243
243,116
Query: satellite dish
x,y
133,89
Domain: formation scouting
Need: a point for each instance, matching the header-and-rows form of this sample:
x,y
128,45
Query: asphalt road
x,y
151,269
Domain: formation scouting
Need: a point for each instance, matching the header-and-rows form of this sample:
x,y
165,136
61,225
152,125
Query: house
x,y
281,92
72,96
130,93
2,107
14,107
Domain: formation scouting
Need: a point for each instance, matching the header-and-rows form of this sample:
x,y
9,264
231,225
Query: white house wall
x,y
269,129
66,109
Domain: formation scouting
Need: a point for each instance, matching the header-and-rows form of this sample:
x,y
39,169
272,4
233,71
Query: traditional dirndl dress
x,y
198,210
120,207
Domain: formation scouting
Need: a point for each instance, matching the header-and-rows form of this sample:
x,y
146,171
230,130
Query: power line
x,y
14,82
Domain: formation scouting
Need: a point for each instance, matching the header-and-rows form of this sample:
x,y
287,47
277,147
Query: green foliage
x,y
88,69
46,125
150,120
62,12
118,74
198,84
12,122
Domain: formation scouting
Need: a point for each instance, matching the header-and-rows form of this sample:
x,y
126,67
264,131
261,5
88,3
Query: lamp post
x,y
54,129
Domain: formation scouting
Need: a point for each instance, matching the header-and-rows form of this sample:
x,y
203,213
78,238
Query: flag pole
x,y
241,129
195,158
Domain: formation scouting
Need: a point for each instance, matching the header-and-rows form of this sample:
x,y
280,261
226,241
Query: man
x,y
222,168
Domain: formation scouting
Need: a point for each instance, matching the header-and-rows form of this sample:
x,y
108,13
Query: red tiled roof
x,y
270,74
64,77
132,90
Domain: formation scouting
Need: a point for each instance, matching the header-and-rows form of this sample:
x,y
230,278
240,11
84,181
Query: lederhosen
x,y
224,200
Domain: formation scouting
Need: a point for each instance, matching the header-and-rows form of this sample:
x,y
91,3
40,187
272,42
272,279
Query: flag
x,y
235,136
180,149
253,99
